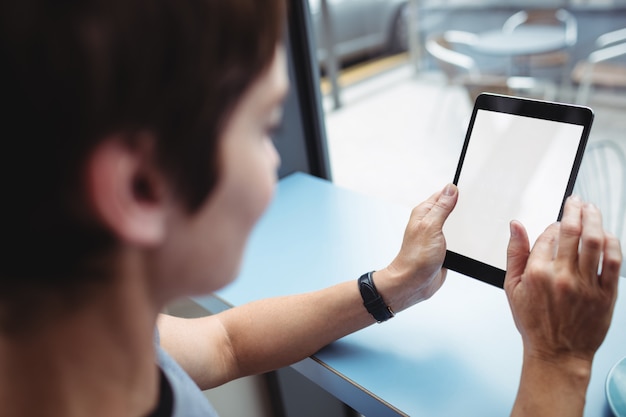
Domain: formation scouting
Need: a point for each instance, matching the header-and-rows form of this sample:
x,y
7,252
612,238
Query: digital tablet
x,y
519,161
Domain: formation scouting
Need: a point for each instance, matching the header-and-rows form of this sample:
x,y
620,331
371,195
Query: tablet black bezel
x,y
559,112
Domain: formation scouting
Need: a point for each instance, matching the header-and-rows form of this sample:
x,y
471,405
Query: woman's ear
x,y
127,191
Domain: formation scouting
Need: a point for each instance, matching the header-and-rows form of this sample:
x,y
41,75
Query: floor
x,y
397,136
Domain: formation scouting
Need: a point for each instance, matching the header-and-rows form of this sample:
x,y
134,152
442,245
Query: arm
x,y
562,307
271,333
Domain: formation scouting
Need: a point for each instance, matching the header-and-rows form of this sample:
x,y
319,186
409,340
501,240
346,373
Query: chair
x,y
600,68
462,70
545,17
602,181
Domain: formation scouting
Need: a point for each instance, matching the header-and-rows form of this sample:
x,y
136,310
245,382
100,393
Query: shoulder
x,y
189,401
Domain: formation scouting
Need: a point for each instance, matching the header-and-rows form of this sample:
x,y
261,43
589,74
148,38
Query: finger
x,y
443,206
516,255
611,263
591,242
545,247
571,227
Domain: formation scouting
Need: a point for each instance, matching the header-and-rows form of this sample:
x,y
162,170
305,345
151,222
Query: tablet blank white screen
x,y
515,167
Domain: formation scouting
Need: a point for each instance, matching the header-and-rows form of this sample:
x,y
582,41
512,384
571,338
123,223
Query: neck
x,y
98,360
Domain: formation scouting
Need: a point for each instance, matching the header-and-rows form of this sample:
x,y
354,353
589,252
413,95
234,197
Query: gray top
x,y
189,401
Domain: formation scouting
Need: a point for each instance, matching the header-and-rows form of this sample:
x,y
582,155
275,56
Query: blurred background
x,y
399,77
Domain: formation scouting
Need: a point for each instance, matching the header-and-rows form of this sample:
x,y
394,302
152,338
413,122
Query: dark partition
x,y
302,140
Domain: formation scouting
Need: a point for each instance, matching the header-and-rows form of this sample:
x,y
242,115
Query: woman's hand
x,y
562,295
415,274
561,303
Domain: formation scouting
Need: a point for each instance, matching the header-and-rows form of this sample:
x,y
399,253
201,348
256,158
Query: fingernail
x,y
575,198
513,230
449,190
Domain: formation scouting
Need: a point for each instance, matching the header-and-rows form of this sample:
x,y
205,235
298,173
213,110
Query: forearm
x,y
552,387
272,333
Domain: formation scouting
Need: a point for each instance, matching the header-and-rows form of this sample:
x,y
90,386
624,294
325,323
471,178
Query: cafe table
x,y
522,42
525,40
456,354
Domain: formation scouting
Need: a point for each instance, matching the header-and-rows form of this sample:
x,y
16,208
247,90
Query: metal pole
x,y
332,67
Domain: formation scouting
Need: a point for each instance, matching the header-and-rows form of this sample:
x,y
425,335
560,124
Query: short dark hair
x,y
73,72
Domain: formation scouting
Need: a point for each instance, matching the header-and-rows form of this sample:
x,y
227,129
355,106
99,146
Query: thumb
x,y
517,253
444,204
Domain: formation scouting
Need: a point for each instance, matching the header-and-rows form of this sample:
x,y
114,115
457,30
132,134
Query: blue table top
x,y
458,353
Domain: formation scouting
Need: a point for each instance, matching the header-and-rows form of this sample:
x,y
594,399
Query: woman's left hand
x,y
415,274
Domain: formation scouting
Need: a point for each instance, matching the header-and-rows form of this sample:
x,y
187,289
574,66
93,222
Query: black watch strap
x,y
372,300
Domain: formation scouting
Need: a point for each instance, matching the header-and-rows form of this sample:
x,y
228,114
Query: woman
x,y
139,157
